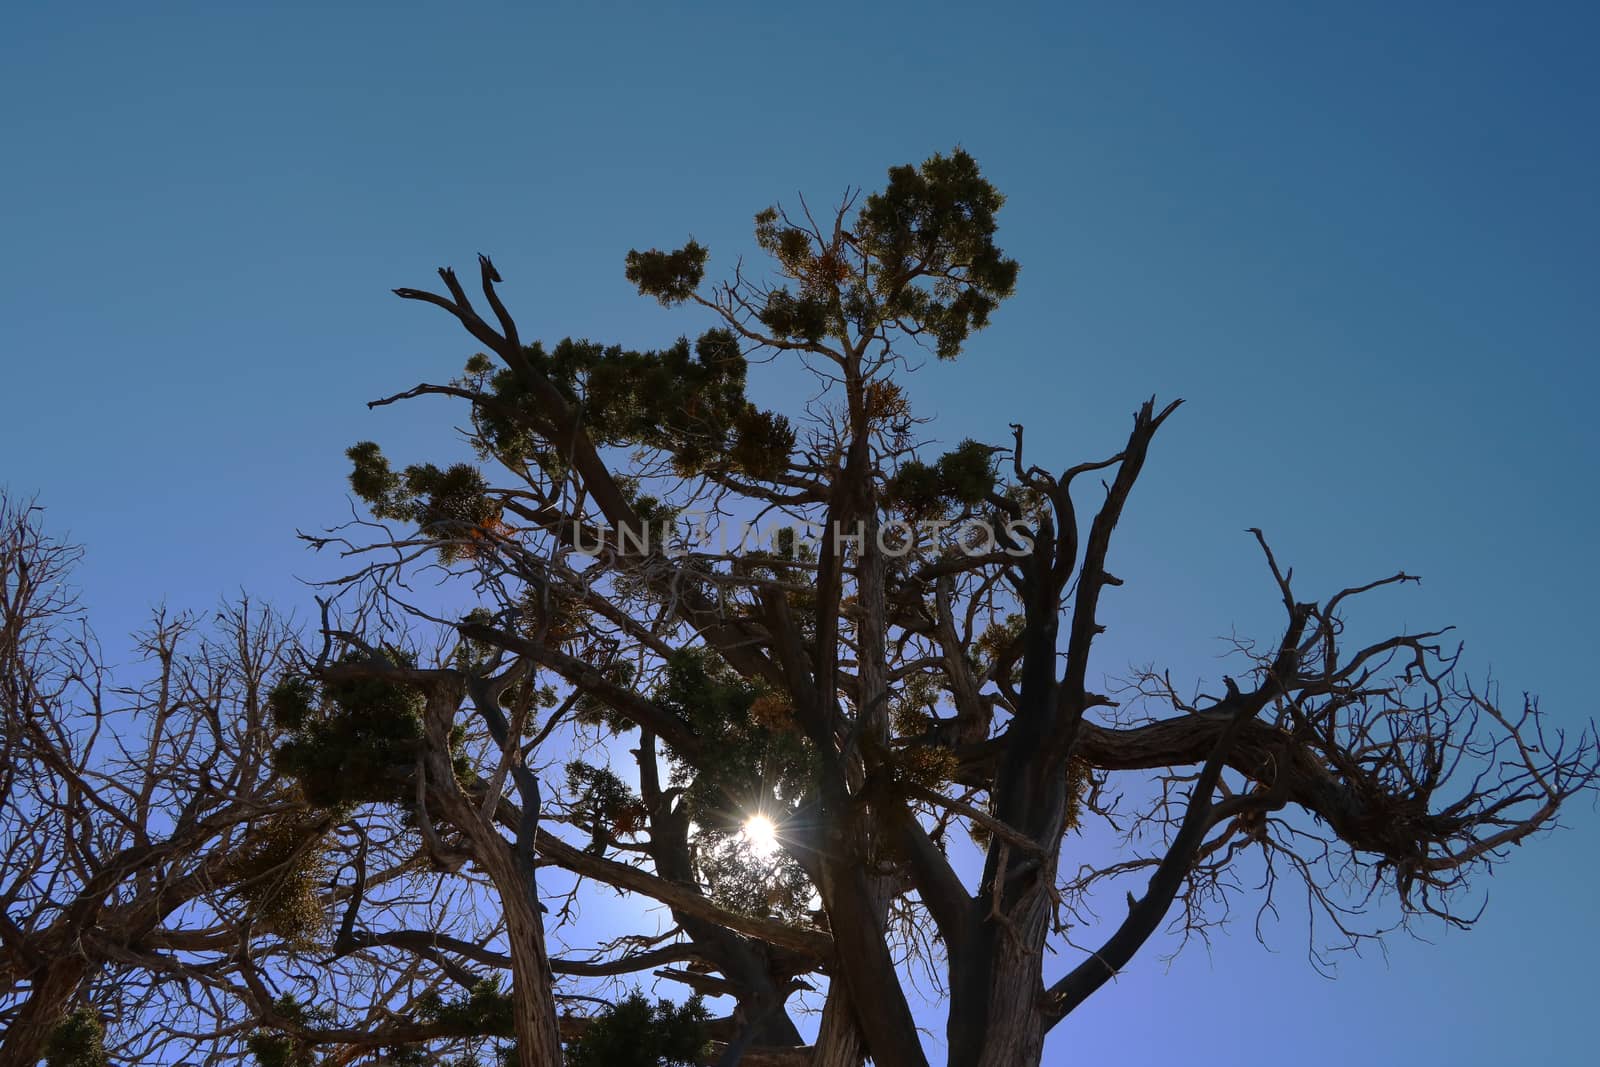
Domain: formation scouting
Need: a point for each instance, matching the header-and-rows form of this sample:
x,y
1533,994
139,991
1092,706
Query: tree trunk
x,y
839,1038
1015,1031
24,1042
839,1041
532,993
996,1016
538,1036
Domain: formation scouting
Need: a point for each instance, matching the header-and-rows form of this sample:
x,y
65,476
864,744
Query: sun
x,y
762,835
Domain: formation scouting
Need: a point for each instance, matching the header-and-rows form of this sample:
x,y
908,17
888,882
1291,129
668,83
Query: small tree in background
x,y
145,832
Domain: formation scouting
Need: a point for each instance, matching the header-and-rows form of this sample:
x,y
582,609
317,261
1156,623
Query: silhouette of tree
x,y
858,747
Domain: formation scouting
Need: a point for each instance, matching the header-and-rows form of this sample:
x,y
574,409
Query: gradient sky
x,y
1359,241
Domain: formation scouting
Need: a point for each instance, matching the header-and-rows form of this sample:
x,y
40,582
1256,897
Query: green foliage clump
x,y
967,473
270,1048
78,1040
670,277
996,641
373,480
552,617
915,489
591,711
961,478
749,744
275,1048
687,400
911,705
450,505
761,443
919,256
449,501
654,514
635,1033
931,232
472,656
741,879
279,879
605,806
353,741
485,1010
926,765
752,754
803,318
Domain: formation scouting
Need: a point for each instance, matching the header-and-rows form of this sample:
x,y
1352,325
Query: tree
x,y
872,695
139,816
865,746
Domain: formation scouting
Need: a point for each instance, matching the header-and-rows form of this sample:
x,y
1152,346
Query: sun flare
x,y
762,835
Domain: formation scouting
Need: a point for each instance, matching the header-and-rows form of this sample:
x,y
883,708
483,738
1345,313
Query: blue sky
x,y
1360,241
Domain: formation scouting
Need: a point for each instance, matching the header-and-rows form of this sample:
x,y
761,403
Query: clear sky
x,y
1358,238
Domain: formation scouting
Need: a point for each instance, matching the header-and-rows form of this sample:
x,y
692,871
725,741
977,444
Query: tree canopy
x,y
805,699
